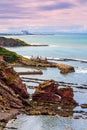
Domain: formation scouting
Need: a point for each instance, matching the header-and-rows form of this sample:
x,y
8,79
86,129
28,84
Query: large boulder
x,y
50,92
46,92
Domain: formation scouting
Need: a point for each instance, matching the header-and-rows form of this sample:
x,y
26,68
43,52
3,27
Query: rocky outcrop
x,y
12,91
66,95
10,42
64,68
49,92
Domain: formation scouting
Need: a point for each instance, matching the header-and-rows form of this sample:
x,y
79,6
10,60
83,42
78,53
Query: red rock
x,y
46,92
65,92
12,79
49,92
46,97
12,90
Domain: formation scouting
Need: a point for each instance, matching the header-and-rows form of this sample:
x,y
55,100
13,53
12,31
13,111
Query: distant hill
x,y
10,42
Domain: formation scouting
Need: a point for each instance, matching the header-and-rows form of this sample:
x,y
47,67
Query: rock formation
x,y
12,91
64,68
49,92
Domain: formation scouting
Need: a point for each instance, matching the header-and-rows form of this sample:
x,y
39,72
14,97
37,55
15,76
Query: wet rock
x,y
84,105
67,70
64,69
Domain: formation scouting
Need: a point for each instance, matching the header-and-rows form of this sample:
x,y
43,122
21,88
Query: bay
x,y
60,46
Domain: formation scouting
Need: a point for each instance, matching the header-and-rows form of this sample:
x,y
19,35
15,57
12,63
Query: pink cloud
x,y
43,14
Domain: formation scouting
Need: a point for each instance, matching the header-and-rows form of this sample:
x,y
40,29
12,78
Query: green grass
x,y
9,56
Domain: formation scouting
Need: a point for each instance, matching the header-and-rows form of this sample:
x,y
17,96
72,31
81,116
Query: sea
x,y
62,46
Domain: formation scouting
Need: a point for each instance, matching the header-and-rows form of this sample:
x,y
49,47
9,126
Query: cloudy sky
x,y
43,15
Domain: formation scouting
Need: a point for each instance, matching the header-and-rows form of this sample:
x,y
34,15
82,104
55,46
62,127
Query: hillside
x,y
10,42
9,56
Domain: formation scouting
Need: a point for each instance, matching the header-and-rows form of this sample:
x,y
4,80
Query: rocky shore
x,y
14,98
13,93
18,60
64,68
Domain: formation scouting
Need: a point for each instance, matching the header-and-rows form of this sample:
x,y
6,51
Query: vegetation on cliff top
x,y
10,42
9,56
12,57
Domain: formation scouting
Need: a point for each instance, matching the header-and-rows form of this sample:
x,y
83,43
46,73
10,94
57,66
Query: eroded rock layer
x,y
49,91
12,90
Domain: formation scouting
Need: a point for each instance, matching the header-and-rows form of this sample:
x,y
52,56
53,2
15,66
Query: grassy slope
x,y
9,56
12,57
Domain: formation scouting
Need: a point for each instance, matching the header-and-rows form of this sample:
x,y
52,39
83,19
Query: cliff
x,y
10,42
12,91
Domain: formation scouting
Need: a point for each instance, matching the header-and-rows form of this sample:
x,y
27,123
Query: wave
x,y
80,70
54,45
61,59
67,45
67,59
27,57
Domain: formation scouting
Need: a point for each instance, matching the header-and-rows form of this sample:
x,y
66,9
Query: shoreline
x,y
6,116
67,59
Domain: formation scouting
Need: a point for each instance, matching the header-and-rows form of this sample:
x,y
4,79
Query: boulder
x,y
64,68
46,92
66,95
67,70
50,92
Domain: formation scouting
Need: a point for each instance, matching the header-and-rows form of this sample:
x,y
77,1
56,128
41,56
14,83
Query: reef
x,y
14,98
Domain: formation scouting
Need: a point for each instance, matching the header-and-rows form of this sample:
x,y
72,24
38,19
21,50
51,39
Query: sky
x,y
43,15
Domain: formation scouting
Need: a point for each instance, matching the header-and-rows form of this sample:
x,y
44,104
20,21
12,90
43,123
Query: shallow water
x,y
24,122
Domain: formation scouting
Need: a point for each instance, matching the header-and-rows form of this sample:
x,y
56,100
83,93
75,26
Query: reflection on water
x,y
24,122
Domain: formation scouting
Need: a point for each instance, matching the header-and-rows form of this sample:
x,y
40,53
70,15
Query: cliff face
x,y
12,91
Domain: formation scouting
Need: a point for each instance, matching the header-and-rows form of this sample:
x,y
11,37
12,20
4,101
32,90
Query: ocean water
x,y
65,46
60,46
